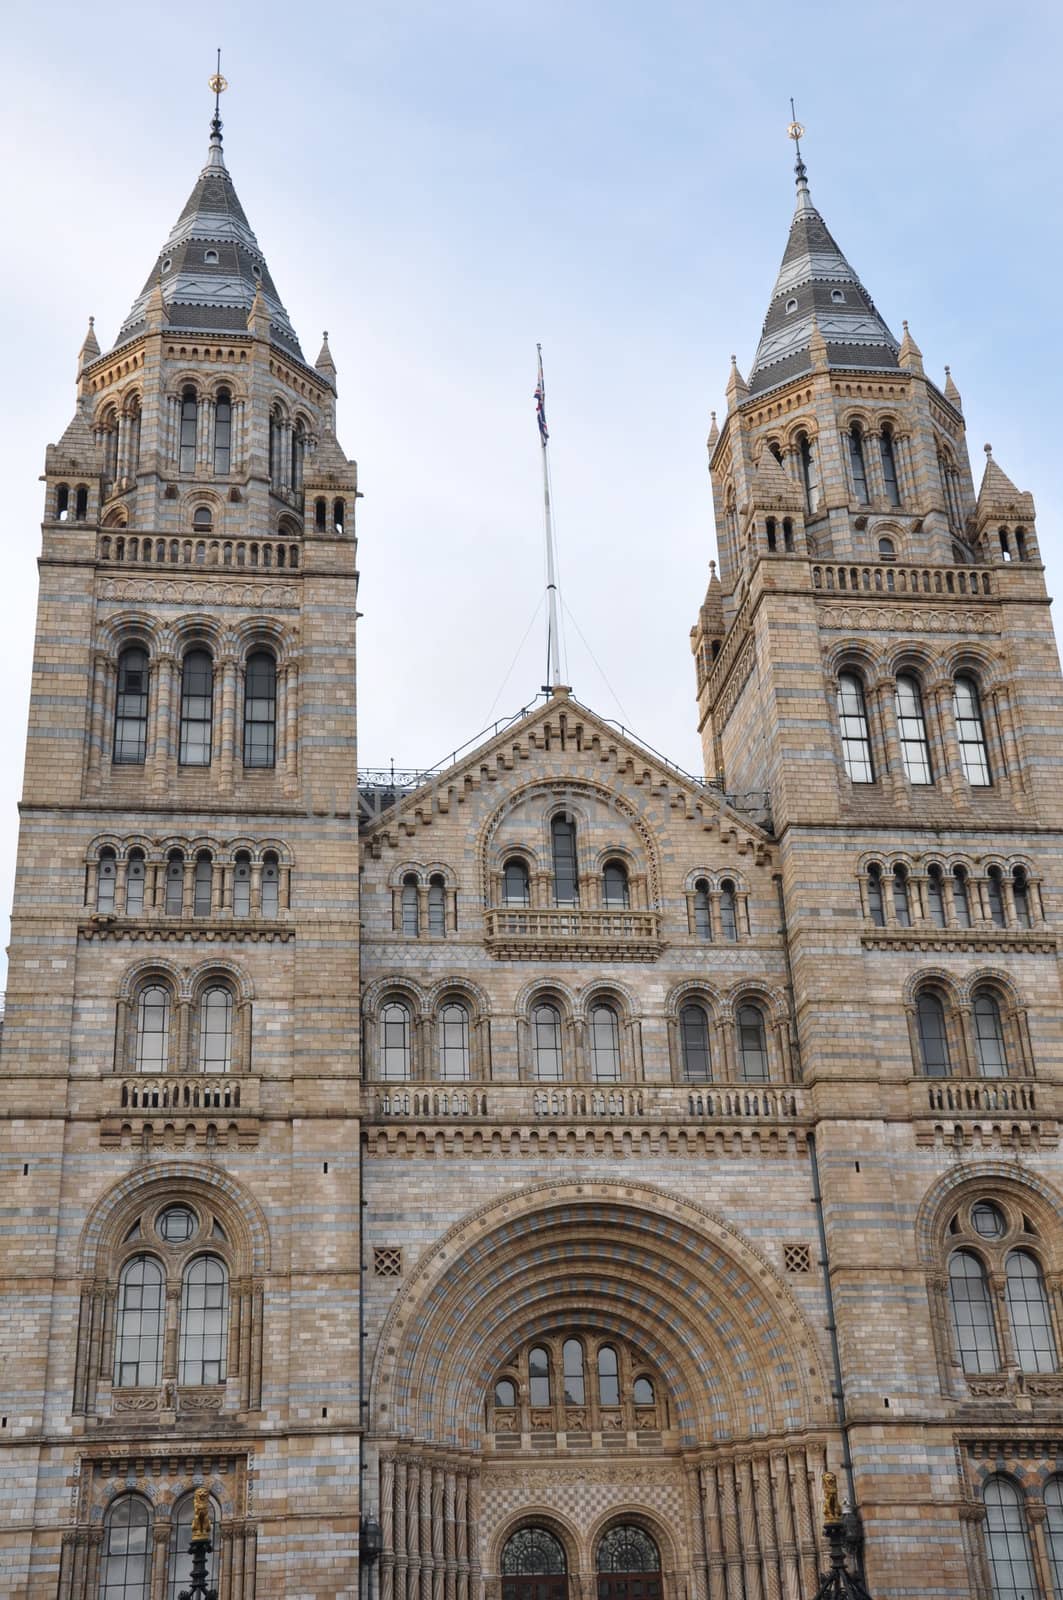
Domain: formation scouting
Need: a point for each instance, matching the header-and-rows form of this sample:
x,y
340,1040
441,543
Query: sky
x,y
443,185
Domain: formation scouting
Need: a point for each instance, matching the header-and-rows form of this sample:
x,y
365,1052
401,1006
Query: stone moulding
x,y
234,932
1038,942
562,935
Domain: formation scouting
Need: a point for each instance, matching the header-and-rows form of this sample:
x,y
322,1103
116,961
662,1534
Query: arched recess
x,y
719,1325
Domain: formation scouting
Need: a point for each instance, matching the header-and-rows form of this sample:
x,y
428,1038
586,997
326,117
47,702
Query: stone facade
x,y
558,1161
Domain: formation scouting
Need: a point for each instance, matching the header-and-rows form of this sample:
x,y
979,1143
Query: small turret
x,y
1004,516
737,388
910,357
714,435
950,391
324,363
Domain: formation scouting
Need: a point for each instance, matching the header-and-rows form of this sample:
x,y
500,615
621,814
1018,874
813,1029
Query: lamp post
x,y
199,1548
841,1530
370,1544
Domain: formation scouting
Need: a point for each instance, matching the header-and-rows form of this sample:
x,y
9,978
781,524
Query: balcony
x,y
991,1113
183,1109
567,933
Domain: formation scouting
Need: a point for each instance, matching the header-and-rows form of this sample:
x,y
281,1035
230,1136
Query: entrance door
x,y
629,1565
534,1566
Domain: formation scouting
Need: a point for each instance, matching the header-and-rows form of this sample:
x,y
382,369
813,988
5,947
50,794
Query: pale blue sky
x,y
442,185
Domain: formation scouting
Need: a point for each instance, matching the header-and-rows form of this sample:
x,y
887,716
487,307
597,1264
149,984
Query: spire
x,y
714,435
909,355
951,391
998,496
212,267
815,281
737,388
90,348
324,363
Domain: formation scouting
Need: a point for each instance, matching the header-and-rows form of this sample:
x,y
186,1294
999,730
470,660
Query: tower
x,y
181,1031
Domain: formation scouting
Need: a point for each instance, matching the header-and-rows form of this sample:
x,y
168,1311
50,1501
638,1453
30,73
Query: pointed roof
x,y
817,284
211,265
998,496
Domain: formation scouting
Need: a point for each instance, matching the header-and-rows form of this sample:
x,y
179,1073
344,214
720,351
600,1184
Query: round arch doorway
x,y
629,1565
534,1566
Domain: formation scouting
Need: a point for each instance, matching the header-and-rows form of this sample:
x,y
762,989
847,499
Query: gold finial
x,y
200,1514
217,83
832,1511
796,130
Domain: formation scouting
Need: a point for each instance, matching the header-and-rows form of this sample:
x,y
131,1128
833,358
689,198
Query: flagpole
x,y
553,666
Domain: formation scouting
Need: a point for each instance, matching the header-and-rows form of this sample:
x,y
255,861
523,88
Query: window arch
x,y
202,885
608,1376
125,1559
437,906
1031,1319
887,550
135,873
876,905
616,892
1053,1495
174,895
532,1552
320,513
572,1372
395,1053
995,897
856,736
131,708
728,911
223,431
911,727
454,1042
855,441
935,896
539,1376
902,903
189,421
139,1324
990,1049
694,1042
298,456
970,729
411,906
604,1044
242,884
152,1029
202,522
106,882
628,1548
179,1570
271,874
566,874
515,886
888,457
260,709
702,909
753,1066
972,1313
934,1055
961,900
216,1029
1020,892
1007,1541
81,503
546,1043
204,1322
197,708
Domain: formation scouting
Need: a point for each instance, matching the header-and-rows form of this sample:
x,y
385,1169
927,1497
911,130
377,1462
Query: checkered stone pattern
x,y
583,1494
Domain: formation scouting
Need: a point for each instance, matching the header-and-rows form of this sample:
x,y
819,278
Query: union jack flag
x,y
540,400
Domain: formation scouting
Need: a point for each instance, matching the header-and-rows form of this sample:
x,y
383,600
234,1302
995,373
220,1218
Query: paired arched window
x,y
990,1049
970,730
911,727
139,1324
998,1239
223,432
902,901
933,1035
694,1044
515,888
752,1045
437,906
1007,1541
125,1558
566,873
138,1340
857,466
411,906
888,457
135,874
702,909
806,453
216,1029
189,424
856,737
204,1322
106,883
260,710
616,894
152,1051
395,1042
197,708
546,1043
454,1043
604,1028
131,708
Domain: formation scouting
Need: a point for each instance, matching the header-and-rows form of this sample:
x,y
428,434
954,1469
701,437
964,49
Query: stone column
x,y
400,1529
765,1519
754,1589
714,1556
438,1534
449,1537
784,1523
387,1528
461,1534
729,1528
803,1521
475,1585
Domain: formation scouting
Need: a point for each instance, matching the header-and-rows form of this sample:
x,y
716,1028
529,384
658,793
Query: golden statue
x,y
832,1511
200,1514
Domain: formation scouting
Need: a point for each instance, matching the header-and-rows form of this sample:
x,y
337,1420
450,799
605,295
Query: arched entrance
x,y
629,1565
534,1566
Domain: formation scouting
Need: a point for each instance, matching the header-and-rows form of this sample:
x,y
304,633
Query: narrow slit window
x,y
134,884
888,457
608,1376
566,879
1020,890
857,465
270,887
875,904
995,896
175,886
189,419
223,428
572,1364
437,907
106,882
538,1377
411,906
728,911
202,886
242,886
902,906
935,897
961,901
702,910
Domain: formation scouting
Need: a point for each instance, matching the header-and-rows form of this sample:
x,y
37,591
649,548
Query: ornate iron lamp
x,y
199,1548
840,1530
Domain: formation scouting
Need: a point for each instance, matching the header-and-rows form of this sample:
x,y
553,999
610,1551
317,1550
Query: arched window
x,y
81,503
546,1043
125,1559
887,550
175,884
1007,1542
320,513
1020,543
505,1392
189,415
566,878
911,726
202,522
131,708
1020,891
216,1030
242,885
888,457
339,515
276,429
1031,1320
961,902
1054,1529
875,904
197,707
935,896
902,908
643,1392
788,535
515,882
752,1045
395,1042
204,1322
972,1313
769,529
179,1570
605,1045
298,454
628,1549
139,1325
995,896
223,432
202,886
806,451
437,906
728,913
694,1039
62,502
933,1038
702,912
615,892
608,1376
856,737
855,440
271,886
539,1376
260,710
134,884
153,1029
572,1365
411,906
106,882
989,1037
454,1043
531,1552
970,730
